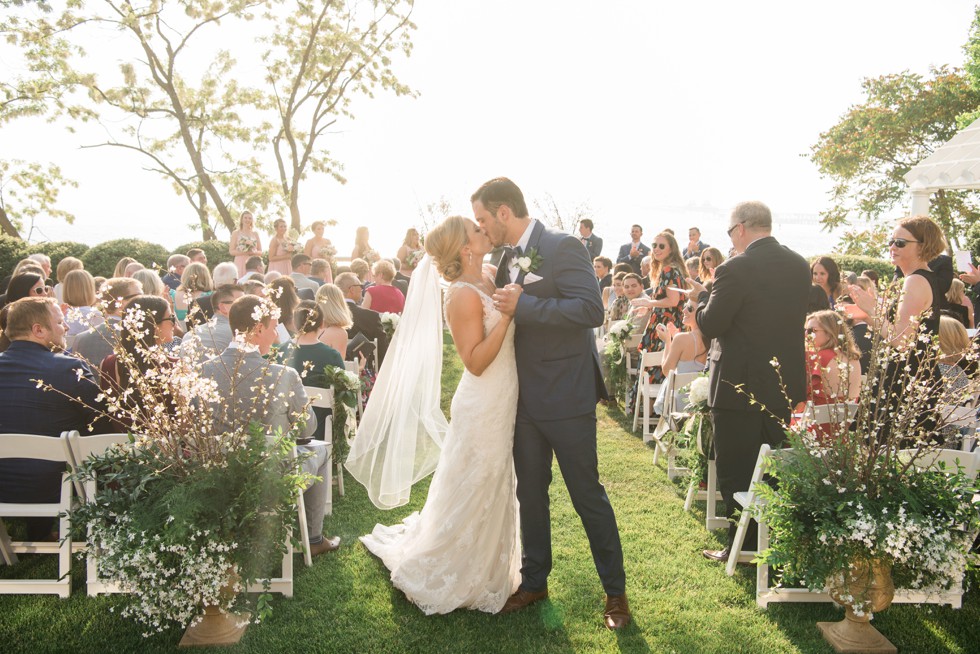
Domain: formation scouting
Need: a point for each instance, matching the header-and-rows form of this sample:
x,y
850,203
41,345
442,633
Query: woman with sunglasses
x,y
667,273
711,258
911,324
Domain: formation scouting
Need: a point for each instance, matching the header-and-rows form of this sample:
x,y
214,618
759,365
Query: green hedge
x,y
102,259
12,250
855,264
972,242
58,250
217,251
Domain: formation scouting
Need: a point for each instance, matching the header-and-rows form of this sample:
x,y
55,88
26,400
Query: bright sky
x,y
635,108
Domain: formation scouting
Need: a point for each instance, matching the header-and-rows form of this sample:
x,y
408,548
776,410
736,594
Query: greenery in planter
x,y
217,251
101,259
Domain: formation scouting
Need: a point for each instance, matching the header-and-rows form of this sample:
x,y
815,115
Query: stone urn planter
x,y
866,590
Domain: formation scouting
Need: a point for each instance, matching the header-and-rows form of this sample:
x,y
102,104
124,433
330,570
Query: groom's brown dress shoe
x,y
522,598
716,555
617,614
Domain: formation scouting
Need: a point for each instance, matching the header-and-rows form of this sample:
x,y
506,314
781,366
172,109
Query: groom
x,y
549,286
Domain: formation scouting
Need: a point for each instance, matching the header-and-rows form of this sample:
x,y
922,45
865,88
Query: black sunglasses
x,y
901,242
660,246
171,318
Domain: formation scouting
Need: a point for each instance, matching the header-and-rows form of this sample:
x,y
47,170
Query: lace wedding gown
x,y
462,550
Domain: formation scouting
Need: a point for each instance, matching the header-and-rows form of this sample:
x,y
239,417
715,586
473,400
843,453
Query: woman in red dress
x,y
382,296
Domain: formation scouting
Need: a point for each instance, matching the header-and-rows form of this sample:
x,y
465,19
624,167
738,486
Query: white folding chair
x,y
376,356
323,398
355,367
670,420
964,418
834,414
43,448
646,392
632,346
710,496
748,501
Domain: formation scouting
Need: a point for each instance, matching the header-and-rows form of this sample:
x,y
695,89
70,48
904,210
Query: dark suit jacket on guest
x,y
368,322
624,255
594,245
755,313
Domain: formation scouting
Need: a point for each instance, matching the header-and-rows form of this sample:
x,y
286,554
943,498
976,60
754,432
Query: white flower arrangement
x,y
390,323
699,390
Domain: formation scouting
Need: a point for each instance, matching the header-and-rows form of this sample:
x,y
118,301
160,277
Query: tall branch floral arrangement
x,y
346,394
615,355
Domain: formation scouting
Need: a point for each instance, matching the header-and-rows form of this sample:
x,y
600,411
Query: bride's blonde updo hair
x,y
443,244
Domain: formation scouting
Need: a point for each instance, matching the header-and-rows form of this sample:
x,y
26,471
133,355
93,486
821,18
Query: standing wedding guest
x,y
281,249
693,266
302,266
826,275
211,338
308,356
65,266
667,274
195,282
252,389
36,330
711,258
694,246
336,316
197,255
79,305
364,321
362,249
958,305
382,296
634,251
121,266
755,313
244,242
409,254
591,242
319,247
176,264
320,272
253,266
602,267
98,342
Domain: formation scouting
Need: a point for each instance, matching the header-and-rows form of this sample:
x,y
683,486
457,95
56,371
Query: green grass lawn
x,y
344,603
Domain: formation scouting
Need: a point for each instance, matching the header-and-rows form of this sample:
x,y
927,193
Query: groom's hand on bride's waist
x,y
505,299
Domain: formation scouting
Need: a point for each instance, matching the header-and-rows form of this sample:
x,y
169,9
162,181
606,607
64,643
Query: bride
x,y
462,549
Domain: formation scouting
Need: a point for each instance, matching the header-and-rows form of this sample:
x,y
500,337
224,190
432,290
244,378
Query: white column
x,y
920,202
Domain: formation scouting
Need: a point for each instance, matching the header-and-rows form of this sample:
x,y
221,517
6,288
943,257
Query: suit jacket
x,y
98,342
756,313
557,362
624,255
368,322
594,245
252,388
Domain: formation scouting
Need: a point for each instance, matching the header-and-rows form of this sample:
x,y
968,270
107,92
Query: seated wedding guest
x,y
365,321
78,305
603,267
694,246
253,266
957,388
632,289
860,322
283,293
253,389
710,259
870,274
132,268
197,255
826,275
202,309
613,294
26,284
211,338
253,287
337,318
693,268
382,296
320,272
834,371
684,351
302,267
645,264
35,327
362,269
151,283
121,266
97,343
65,266
409,254
44,261
817,300
308,356
175,268
195,282
958,305
272,276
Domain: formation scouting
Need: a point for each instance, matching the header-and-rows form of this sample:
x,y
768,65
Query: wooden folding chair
x,y
43,448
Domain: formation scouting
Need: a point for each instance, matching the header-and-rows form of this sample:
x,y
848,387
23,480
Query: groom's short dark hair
x,y
500,191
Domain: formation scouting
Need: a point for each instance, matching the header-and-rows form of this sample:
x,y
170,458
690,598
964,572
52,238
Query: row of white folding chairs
x,y
750,502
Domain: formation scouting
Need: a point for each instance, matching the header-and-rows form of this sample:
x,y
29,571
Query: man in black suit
x,y
634,251
591,242
366,321
755,313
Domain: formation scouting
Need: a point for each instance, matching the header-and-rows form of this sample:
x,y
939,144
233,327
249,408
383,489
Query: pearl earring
x,y
471,258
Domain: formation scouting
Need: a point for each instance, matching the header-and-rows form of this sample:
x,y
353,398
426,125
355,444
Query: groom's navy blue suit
x,y
560,383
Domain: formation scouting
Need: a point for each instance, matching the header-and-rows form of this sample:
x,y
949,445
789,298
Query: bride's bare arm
x,y
464,312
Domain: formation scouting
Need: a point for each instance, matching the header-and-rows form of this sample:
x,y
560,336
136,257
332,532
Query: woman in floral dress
x,y
667,270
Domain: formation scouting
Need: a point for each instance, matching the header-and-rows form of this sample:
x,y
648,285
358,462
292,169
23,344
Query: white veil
x,y
400,436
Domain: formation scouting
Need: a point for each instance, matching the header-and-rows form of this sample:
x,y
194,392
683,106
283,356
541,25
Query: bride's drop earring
x,y
471,258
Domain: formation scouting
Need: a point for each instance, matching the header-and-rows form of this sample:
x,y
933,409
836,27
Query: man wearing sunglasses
x,y
755,315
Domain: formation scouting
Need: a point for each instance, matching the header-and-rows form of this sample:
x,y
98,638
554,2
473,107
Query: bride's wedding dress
x,y
462,549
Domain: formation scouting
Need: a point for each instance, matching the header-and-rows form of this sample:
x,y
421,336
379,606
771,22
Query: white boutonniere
x,y
530,261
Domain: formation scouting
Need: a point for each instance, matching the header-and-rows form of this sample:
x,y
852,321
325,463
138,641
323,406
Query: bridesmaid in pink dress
x,y
316,248
279,255
241,251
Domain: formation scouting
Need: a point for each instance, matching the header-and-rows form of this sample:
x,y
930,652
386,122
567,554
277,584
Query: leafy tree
x,y
972,67
904,118
28,191
318,58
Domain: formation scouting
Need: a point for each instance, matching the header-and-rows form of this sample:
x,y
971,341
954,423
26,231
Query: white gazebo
x,y
954,165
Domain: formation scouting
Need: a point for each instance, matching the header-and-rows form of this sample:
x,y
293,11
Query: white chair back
x,y
82,447
822,414
948,459
321,398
